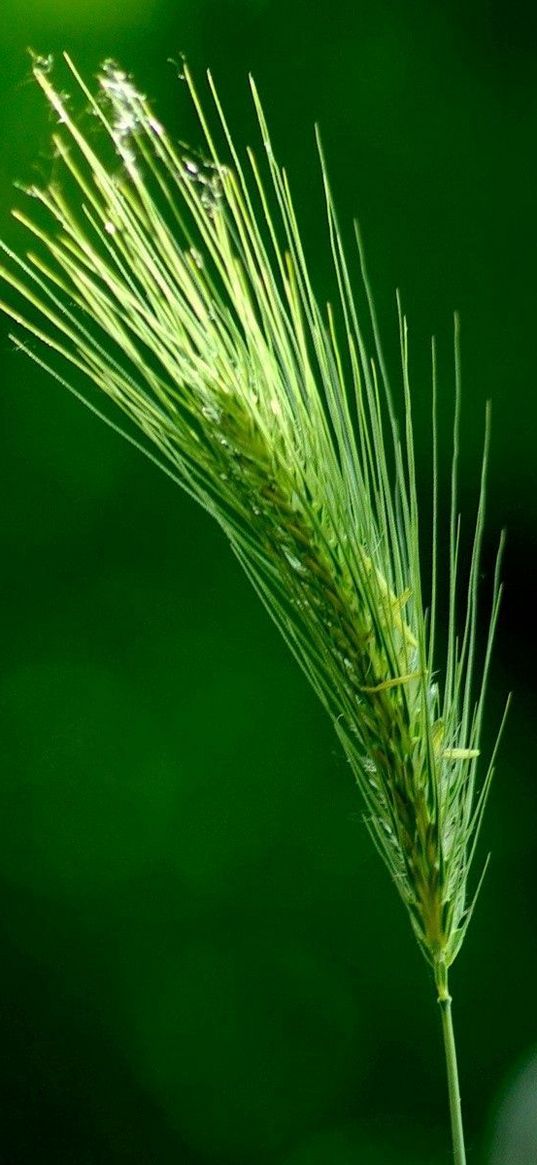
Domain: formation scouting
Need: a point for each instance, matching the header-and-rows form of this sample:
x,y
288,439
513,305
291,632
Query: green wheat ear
x,y
179,287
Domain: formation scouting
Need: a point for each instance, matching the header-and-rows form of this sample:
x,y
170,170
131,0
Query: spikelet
x,y
177,285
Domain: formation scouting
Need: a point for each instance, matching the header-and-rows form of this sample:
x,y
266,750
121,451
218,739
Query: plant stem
x,y
457,1132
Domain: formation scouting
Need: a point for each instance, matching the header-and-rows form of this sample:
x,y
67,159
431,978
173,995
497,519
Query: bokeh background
x,y
202,960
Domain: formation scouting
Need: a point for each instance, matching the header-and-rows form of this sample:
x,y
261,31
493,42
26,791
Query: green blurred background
x,y
202,959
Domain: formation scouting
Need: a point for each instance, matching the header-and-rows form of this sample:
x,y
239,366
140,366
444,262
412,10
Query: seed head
x,y
176,284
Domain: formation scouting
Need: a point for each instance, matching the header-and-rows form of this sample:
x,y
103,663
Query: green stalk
x,y
457,1131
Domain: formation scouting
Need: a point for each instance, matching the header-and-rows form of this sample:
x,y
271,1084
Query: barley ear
x,y
174,285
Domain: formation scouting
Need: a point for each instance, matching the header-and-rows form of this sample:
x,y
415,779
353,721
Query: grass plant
x,y
176,284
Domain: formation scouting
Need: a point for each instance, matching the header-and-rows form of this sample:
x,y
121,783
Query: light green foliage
x,y
178,286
